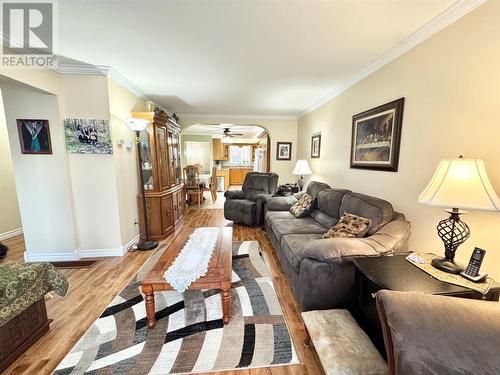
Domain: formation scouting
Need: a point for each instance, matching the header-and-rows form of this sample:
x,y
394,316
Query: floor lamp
x,y
137,125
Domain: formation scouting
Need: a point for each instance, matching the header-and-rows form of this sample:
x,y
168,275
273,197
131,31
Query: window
x,y
198,153
240,155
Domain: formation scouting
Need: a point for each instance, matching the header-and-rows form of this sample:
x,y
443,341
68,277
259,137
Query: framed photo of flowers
x,y
376,137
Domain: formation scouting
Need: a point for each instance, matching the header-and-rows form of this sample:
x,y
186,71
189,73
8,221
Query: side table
x,y
396,273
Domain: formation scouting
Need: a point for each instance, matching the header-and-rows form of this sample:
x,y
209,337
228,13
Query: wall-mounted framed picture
x,y
34,136
376,137
316,145
88,136
283,150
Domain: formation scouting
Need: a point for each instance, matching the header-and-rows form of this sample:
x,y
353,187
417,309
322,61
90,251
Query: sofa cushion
x,y
303,225
240,211
303,206
293,245
329,201
379,211
272,215
323,219
314,187
349,226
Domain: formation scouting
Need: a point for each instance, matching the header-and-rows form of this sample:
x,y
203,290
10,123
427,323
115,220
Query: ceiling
x,y
249,131
254,57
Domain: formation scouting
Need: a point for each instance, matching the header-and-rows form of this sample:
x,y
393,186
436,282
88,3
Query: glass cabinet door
x,y
146,158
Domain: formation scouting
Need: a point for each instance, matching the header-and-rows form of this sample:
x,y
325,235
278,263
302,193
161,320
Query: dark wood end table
x,y
218,275
396,273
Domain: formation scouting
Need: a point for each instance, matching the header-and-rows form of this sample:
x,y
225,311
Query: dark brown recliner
x,y
246,206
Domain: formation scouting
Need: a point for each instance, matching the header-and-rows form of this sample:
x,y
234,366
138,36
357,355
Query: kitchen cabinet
x,y
220,151
237,175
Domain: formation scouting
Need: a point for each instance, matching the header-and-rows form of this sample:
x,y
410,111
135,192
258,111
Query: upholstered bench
x,y
342,346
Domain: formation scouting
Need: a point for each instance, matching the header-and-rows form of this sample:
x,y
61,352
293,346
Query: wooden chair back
x,y
200,168
191,178
213,179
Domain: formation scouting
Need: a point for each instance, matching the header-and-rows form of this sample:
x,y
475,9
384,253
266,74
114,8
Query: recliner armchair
x,y
246,206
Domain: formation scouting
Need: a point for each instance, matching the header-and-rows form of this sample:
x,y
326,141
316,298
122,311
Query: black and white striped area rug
x,y
189,335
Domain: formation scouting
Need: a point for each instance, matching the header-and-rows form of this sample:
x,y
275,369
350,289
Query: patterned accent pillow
x,y
303,206
349,226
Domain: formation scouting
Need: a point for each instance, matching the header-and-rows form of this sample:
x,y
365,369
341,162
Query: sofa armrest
x,y
439,335
392,237
282,203
338,249
234,194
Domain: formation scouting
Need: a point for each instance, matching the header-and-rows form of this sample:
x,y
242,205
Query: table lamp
x,y
458,184
301,168
137,125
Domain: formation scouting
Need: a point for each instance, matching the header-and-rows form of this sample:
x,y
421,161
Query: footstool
x,y
342,346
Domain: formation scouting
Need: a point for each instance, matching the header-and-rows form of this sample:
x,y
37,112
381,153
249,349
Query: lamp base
x,y
147,245
447,265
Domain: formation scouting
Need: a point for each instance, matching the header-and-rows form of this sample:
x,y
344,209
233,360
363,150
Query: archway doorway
x,y
226,151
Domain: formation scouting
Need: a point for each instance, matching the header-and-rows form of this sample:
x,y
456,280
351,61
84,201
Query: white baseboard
x,y
130,243
91,253
11,233
53,257
101,253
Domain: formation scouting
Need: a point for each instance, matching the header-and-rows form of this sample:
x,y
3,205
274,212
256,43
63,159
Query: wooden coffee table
x,y
217,277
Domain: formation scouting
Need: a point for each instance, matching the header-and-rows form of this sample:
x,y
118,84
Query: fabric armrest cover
x,y
427,334
234,194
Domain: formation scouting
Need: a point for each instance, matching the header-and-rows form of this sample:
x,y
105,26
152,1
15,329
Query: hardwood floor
x,y
92,289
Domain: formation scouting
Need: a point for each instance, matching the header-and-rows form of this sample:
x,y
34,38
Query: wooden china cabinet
x,y
161,170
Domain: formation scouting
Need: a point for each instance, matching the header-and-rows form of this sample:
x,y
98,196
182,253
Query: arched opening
x,y
224,154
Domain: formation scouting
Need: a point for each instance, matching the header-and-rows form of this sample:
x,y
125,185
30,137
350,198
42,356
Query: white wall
x,y
42,181
451,83
278,130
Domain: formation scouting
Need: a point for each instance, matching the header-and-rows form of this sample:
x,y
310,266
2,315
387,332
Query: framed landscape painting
x,y
283,150
34,136
88,136
376,136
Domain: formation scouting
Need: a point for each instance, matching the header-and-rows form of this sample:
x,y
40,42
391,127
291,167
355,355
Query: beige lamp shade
x,y
461,183
302,168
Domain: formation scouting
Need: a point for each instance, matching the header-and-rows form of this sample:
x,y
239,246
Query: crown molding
x,y
101,70
226,116
447,17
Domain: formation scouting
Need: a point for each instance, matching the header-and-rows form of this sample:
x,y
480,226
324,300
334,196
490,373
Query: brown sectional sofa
x,y
320,271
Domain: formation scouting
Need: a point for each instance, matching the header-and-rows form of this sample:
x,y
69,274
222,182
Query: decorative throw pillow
x,y
349,226
303,206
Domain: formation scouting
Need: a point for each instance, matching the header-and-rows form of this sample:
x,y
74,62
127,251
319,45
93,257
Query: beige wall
x,y
10,220
279,131
94,196
121,104
451,83
42,181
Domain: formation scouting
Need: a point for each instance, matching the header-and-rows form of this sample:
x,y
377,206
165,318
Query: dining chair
x,y
212,188
192,183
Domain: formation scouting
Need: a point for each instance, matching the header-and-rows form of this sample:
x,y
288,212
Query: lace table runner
x,y
192,261
426,266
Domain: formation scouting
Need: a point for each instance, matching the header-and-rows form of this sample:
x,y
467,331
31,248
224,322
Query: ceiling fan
x,y
229,134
